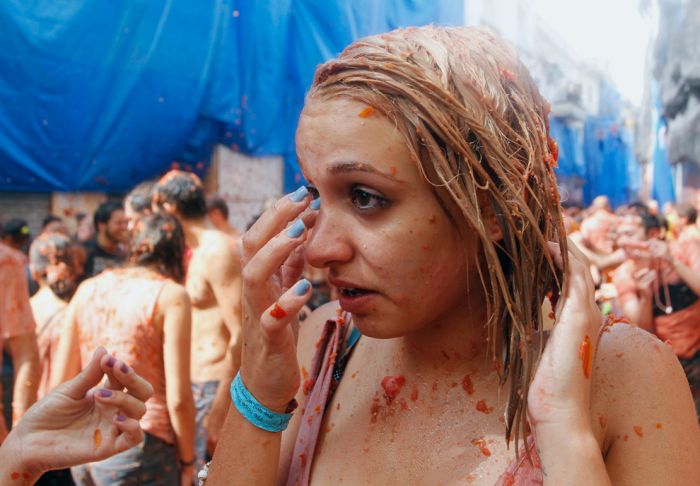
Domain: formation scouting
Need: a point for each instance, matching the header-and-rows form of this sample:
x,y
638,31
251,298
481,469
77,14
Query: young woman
x,y
142,314
51,265
439,222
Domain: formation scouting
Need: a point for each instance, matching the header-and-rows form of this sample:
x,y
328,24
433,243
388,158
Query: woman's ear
x,y
493,225
491,220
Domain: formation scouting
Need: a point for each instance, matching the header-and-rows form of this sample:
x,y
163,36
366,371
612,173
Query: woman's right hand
x,y
273,295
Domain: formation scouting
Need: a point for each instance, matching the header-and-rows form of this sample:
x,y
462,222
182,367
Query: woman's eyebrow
x,y
353,166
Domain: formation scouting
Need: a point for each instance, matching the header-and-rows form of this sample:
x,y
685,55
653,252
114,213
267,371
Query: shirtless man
x,y
17,330
213,282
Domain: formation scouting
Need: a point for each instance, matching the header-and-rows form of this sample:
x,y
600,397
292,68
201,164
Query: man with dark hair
x,y
105,250
15,234
217,209
139,202
213,281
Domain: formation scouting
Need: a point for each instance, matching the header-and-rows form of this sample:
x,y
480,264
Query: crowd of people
x,y
432,216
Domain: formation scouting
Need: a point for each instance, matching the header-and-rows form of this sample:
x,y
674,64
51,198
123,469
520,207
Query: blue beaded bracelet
x,y
255,412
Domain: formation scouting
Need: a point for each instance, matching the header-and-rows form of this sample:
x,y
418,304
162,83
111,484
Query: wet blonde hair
x,y
476,124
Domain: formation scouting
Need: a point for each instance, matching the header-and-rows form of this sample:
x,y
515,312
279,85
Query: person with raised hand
x,y
76,424
433,203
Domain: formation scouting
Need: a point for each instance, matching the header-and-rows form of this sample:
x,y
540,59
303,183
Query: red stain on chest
x,y
277,312
585,354
467,385
481,443
638,430
482,407
414,394
392,387
602,421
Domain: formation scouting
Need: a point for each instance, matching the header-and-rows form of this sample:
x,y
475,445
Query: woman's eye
x,y
366,200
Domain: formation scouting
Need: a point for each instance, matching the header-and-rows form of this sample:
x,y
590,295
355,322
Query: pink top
x,y
15,312
48,336
518,473
120,317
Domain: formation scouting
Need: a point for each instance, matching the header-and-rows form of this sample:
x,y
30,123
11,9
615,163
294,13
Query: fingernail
x,y
121,418
302,287
124,368
315,204
111,361
299,194
104,393
296,229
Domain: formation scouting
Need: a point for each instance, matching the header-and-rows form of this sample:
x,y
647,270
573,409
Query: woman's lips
x,y
353,298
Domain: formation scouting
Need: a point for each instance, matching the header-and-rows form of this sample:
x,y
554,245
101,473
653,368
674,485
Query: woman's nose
x,y
328,241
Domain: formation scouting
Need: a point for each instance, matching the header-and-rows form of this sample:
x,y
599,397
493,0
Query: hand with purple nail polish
x,y
79,421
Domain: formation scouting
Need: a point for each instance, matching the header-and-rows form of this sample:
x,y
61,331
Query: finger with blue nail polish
x,y
299,194
287,307
296,229
315,204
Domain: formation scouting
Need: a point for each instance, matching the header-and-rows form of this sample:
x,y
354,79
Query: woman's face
x,y
388,244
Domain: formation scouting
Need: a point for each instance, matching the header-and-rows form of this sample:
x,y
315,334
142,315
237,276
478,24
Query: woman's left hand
x,y
559,395
77,423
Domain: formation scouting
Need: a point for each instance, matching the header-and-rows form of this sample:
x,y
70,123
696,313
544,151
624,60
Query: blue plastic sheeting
x,y
662,180
99,95
571,161
612,169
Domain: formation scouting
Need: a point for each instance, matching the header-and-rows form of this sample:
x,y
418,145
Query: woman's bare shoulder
x,y
173,294
642,408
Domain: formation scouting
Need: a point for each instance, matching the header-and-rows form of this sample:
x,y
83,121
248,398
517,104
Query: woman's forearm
x,y
14,469
244,452
571,458
182,414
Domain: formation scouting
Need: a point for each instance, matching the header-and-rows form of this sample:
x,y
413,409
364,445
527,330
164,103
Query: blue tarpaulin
x,y
612,169
102,95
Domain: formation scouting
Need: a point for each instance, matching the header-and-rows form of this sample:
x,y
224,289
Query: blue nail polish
x,y
296,229
299,194
315,204
302,287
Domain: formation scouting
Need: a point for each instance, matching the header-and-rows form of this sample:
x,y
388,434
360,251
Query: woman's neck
x,y
458,343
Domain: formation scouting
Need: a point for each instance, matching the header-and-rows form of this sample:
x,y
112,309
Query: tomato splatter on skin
x,y
467,385
97,438
603,421
277,312
404,405
392,387
626,437
508,479
304,373
25,476
302,458
374,410
317,409
15,475
483,408
366,112
481,443
585,354
638,430
414,394
392,170
658,426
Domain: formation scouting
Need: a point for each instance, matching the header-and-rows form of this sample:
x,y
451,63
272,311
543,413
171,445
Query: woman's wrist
x,y
14,465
